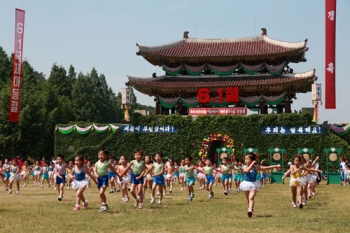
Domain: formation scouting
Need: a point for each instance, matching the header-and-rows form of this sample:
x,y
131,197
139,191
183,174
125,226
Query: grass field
x,y
37,210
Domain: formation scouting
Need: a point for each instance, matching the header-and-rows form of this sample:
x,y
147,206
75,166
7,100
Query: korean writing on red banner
x,y
330,15
17,67
231,94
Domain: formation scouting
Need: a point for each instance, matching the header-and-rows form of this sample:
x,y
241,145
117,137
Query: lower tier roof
x,y
169,83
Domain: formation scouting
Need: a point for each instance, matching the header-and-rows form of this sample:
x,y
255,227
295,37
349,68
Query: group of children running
x,y
156,174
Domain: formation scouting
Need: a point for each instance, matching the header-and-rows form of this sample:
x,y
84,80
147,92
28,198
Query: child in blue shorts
x,y
225,169
138,170
158,178
238,174
101,174
209,178
190,179
60,171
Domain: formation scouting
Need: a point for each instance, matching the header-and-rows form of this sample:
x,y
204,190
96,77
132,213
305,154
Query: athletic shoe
x,y
152,200
111,191
42,186
140,206
103,208
304,202
136,202
77,207
59,198
301,206
159,202
17,192
182,189
10,191
225,192
294,205
210,197
114,189
192,195
250,213
126,199
85,205
55,189
189,198
229,191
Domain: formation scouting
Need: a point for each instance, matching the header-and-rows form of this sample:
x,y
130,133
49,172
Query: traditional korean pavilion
x,y
259,66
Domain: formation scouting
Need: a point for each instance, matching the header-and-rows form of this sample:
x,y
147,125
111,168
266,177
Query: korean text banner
x,y
148,129
17,67
292,130
330,66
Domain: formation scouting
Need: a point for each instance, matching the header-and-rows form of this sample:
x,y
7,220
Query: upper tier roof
x,y
232,50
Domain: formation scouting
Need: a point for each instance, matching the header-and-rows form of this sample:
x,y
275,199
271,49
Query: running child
x,y
51,177
37,172
250,185
209,178
91,168
176,174
101,174
148,179
200,175
25,173
60,171
45,175
7,173
80,182
124,179
111,175
158,178
14,176
238,174
137,172
69,170
170,176
225,170
217,174
182,175
190,179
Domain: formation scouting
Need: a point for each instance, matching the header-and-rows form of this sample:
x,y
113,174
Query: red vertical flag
x,y
17,67
330,54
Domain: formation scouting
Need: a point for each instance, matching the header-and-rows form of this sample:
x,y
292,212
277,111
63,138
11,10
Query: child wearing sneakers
x,y
158,178
209,178
111,175
101,174
15,175
60,171
80,181
190,179
45,175
238,174
137,172
225,170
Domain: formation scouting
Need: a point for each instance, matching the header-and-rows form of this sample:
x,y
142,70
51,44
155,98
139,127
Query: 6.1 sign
x,y
231,94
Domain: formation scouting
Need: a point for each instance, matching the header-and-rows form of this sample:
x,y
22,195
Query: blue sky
x,y
103,34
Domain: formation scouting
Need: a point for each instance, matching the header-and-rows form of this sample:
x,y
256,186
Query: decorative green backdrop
x,y
244,130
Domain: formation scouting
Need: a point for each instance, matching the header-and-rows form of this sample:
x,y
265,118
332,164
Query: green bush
x,y
244,130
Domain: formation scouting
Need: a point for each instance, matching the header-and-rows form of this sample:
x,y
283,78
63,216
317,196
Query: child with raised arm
x,y
60,171
190,179
209,178
80,181
158,178
251,185
101,174
137,172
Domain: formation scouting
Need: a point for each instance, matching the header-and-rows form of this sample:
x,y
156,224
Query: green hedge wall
x,y
242,129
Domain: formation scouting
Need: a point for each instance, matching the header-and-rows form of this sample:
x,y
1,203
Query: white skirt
x,y
169,177
249,185
309,178
76,184
36,173
50,173
297,182
182,175
200,176
125,180
149,177
15,177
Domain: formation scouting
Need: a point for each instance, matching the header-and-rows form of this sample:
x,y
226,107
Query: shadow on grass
x,y
264,216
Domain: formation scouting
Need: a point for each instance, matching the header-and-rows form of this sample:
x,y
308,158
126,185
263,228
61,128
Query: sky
x,y
103,34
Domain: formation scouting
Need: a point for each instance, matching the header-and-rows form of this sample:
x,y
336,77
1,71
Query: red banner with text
x,y
17,67
330,94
